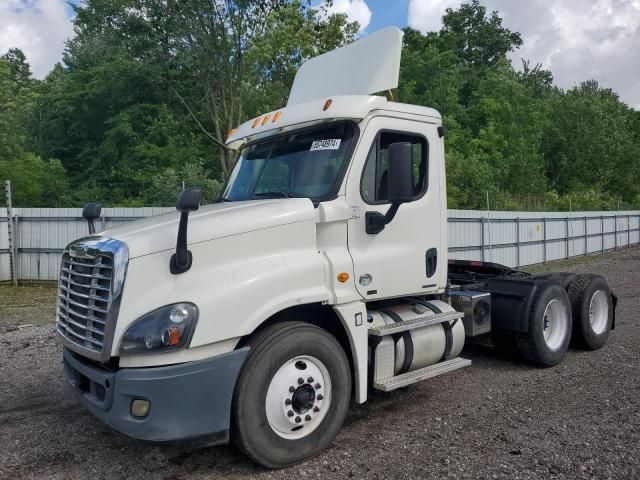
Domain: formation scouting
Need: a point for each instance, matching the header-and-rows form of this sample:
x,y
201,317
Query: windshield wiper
x,y
274,194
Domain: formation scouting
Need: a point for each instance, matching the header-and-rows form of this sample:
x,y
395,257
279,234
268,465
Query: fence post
x,y
602,233
16,250
482,237
566,231
517,242
586,242
628,232
544,239
10,233
615,229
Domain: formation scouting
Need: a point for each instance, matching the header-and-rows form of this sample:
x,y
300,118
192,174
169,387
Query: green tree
x,y
479,39
149,85
166,185
34,182
592,144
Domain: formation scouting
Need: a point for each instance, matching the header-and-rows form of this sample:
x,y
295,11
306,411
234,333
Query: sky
x,y
575,39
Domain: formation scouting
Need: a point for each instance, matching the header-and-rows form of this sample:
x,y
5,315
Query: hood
x,y
159,233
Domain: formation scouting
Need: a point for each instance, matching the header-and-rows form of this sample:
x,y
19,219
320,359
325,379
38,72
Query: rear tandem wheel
x,y
592,311
550,322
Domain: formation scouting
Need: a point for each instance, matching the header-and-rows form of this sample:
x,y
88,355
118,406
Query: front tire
x,y
547,340
292,395
592,311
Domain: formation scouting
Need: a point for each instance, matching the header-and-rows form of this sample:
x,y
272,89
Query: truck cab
x,y
320,274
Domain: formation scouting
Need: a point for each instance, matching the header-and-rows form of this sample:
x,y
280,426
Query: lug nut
x,y
300,381
287,402
320,397
307,418
292,389
318,386
298,419
290,413
316,409
310,380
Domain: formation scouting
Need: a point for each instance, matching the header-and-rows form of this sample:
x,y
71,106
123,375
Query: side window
x,y
374,183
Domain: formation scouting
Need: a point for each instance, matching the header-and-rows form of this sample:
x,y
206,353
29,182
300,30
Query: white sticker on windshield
x,y
327,144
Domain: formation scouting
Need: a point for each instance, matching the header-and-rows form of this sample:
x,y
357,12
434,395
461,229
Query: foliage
x,y
148,89
34,181
166,185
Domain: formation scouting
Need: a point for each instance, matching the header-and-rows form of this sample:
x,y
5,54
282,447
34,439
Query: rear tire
x,y
278,420
592,307
547,340
563,278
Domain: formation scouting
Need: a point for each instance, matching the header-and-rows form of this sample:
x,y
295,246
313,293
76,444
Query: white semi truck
x,y
320,275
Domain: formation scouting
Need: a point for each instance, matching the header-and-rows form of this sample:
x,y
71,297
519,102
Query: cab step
x,y
408,378
399,327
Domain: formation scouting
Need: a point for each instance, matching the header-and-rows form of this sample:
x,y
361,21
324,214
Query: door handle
x,y
431,262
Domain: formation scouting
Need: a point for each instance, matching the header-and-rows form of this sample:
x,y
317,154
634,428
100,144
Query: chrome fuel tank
x,y
424,346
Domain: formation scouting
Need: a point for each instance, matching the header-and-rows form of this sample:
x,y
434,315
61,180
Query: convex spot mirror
x,y
90,212
188,200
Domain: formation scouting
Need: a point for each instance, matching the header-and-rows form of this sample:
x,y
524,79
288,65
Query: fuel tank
x,y
421,347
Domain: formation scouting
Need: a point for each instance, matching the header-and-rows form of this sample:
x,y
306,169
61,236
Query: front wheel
x,y
292,395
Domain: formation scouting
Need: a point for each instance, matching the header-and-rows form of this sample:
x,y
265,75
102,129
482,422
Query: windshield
x,y
307,163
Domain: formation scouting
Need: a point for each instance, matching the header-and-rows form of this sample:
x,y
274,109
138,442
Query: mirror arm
x,y
391,213
376,221
182,259
188,201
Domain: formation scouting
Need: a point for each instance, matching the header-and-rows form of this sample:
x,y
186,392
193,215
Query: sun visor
x,y
369,65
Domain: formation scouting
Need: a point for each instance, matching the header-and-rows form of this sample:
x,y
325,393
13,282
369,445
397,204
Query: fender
x,y
354,320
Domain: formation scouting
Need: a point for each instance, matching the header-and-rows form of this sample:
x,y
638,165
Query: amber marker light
x,y
171,336
265,119
276,117
343,277
327,104
256,122
231,132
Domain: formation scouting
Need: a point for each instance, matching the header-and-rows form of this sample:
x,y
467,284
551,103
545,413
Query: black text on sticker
x,y
327,144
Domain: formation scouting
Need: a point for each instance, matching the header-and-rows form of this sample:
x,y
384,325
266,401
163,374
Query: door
x,y
403,258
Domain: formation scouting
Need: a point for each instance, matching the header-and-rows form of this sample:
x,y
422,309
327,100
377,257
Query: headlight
x,y
167,328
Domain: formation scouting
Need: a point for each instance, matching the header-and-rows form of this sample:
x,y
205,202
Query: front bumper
x,y
187,400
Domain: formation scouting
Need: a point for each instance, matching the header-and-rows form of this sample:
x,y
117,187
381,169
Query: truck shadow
x,y
175,460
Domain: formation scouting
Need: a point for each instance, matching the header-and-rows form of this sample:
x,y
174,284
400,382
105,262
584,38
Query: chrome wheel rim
x,y
298,397
555,324
599,311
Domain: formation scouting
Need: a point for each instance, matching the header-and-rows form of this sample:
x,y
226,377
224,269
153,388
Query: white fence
x,y
510,238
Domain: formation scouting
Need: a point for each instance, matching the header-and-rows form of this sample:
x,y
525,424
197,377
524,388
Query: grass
x,y
558,265
25,305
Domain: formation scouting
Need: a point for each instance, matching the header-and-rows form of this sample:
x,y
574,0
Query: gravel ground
x,y
495,419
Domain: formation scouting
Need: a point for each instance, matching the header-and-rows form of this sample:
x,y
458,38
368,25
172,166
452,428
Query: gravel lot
x,y
495,419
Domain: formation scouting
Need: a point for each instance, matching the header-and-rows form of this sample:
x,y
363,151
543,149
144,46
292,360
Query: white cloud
x,y
576,39
38,27
356,10
426,15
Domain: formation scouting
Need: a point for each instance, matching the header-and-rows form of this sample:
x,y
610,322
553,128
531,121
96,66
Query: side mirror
x,y
400,178
401,172
188,201
90,212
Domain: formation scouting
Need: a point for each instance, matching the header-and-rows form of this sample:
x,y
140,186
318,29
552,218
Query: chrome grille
x,y
88,288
